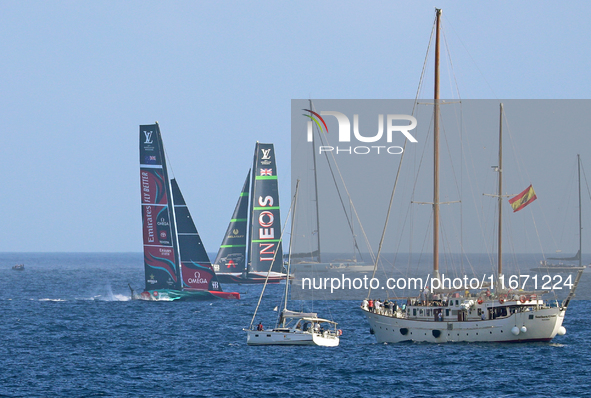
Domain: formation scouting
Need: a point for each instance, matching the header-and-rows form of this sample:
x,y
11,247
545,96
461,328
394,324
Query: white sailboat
x,y
293,328
567,264
446,316
297,328
308,258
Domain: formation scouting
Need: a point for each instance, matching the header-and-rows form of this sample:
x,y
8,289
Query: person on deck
x,y
260,326
425,295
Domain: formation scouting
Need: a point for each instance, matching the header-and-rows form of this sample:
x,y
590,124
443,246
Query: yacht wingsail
x,y
265,222
175,261
196,271
251,251
232,254
160,259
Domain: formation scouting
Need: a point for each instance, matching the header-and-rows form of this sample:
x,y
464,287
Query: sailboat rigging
x,y
251,251
308,258
445,315
176,264
293,328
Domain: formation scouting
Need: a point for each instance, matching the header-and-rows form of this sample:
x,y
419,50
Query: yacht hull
x,y
271,337
539,325
251,279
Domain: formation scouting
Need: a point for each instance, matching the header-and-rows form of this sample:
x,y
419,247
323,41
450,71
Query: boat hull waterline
x,y
253,278
185,295
273,337
559,268
544,326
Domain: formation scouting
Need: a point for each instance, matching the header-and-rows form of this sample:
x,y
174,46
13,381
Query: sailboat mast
x,y
580,218
436,152
249,237
315,193
500,198
175,237
293,214
172,218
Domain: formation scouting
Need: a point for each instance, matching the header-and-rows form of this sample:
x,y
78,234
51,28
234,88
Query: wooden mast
x,y
436,152
500,194
580,220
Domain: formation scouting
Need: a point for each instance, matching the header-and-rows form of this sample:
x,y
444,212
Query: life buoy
x,y
155,294
479,301
522,299
339,332
534,297
501,300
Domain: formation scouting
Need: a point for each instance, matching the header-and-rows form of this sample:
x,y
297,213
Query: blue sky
x,y
78,78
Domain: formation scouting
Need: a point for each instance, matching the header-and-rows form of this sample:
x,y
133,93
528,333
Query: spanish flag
x,y
523,199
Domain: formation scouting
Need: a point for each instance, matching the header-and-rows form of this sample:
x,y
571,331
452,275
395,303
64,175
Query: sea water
x,y
68,329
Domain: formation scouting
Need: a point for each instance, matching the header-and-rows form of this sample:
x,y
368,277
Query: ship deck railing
x,y
494,311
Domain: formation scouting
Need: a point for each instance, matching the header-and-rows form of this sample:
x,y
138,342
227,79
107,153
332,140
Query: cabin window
x,y
457,302
447,312
451,302
414,312
428,312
